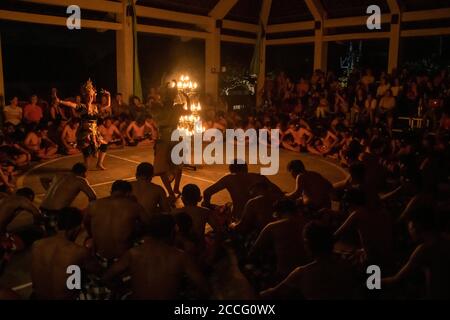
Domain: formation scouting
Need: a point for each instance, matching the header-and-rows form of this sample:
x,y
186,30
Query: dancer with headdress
x,y
89,140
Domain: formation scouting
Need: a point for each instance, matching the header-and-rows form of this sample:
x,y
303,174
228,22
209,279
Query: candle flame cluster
x,y
191,124
185,83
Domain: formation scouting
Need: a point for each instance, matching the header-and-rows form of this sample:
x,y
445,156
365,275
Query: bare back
x,y
49,262
63,191
112,222
151,197
287,241
157,270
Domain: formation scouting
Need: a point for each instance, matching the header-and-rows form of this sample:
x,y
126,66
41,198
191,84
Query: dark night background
x,y
36,57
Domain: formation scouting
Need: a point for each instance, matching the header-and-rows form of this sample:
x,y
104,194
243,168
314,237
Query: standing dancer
x,y
89,139
166,117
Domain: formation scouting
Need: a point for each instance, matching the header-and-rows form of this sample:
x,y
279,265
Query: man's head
x,y
144,171
191,195
26,192
74,123
318,239
34,99
14,101
238,166
161,227
107,122
119,97
121,188
296,167
136,101
422,220
41,130
140,121
285,207
69,218
79,169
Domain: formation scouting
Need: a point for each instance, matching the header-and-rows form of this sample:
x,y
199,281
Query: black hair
x,y
121,186
191,194
319,238
69,218
160,226
144,170
79,169
296,166
26,192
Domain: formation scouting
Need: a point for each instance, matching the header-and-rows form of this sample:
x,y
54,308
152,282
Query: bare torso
x,y
156,270
150,196
49,262
112,223
288,244
63,191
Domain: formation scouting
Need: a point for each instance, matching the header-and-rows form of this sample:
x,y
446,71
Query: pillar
x,y
320,48
124,54
212,61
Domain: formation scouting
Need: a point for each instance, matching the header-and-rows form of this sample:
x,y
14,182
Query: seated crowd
x,y
313,242
39,130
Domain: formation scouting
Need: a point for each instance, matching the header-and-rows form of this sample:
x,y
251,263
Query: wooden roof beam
x,y
96,5
222,8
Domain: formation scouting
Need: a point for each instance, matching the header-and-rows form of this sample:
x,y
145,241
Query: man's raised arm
x,y
212,190
87,189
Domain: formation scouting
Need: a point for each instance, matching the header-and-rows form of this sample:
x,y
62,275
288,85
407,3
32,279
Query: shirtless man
x,y
301,138
238,184
308,281
156,267
284,237
149,195
69,137
111,134
12,205
354,180
325,145
432,255
191,196
374,227
51,257
39,144
136,132
311,188
258,211
62,191
112,222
